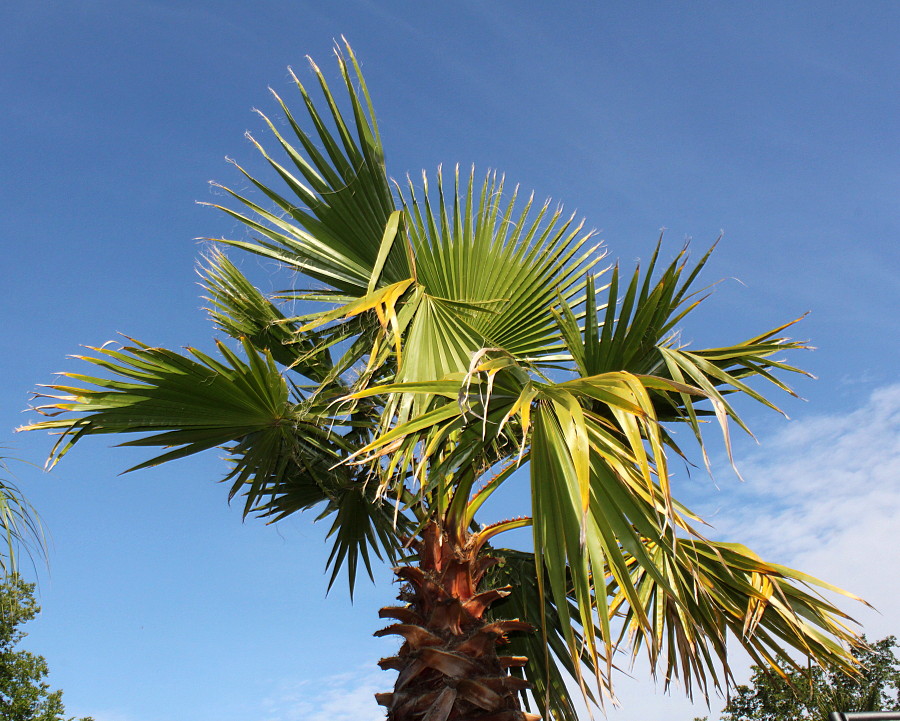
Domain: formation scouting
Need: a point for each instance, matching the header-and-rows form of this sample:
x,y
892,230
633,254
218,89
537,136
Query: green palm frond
x,y
193,403
720,371
190,404
625,336
639,333
594,489
362,522
713,588
239,309
331,227
283,457
20,524
491,269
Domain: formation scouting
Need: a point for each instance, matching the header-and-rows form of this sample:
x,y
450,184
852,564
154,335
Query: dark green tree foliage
x,y
24,695
814,693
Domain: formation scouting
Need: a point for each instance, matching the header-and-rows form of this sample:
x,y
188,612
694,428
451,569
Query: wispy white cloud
x,y
823,495
344,697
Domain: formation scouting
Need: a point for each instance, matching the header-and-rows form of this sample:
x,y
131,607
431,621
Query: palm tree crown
x,y
468,335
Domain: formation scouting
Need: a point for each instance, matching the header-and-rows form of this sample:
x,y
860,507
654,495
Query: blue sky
x,y
778,123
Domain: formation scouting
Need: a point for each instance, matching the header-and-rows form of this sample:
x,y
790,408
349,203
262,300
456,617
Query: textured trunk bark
x,y
449,666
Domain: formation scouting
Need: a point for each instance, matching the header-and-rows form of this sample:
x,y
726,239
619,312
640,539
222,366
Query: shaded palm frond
x,y
550,668
239,309
189,404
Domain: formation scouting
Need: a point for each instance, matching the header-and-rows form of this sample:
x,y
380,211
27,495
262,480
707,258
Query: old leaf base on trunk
x,y
449,668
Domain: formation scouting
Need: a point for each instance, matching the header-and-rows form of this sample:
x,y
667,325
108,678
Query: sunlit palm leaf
x,y
282,458
638,333
577,534
495,267
713,588
195,403
331,227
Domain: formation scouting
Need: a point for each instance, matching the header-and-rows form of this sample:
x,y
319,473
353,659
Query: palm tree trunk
x,y
449,666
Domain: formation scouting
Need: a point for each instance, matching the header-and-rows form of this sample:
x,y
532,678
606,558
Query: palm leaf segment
x,y
464,340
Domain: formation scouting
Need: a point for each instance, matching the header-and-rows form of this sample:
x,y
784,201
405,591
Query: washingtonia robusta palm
x,y
464,335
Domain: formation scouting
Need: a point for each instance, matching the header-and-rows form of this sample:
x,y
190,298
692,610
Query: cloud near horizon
x,y
343,697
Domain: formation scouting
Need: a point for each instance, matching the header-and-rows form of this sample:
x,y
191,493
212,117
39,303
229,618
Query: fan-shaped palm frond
x,y
342,198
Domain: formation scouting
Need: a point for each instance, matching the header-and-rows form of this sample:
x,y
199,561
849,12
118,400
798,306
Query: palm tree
x,y
469,340
20,525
